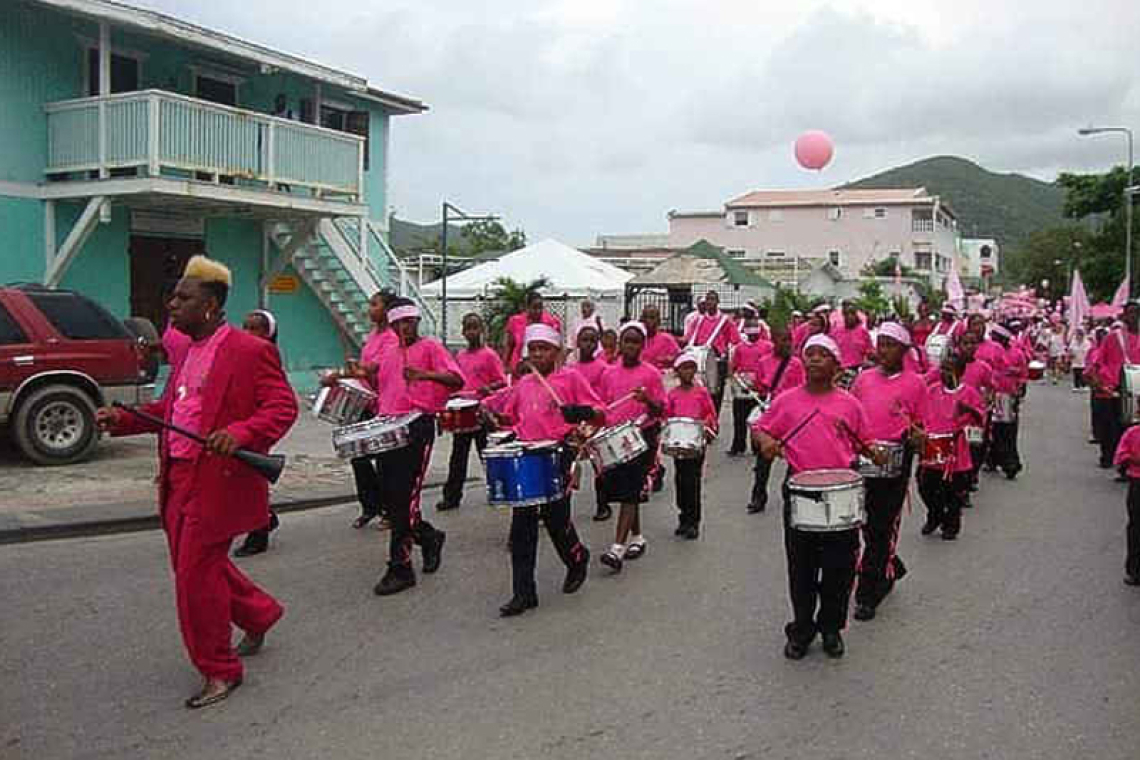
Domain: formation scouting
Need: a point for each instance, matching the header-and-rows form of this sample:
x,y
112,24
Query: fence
x,y
566,308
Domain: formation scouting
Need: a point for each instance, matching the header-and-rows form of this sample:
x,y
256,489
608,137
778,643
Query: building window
x,y
775,254
896,255
775,215
739,218
124,72
921,220
735,253
834,258
834,214
922,260
880,213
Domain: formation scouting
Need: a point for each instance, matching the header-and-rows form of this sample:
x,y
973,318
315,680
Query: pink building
x,y
846,228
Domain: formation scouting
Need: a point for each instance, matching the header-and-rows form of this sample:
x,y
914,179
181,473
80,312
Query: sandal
x,y
203,699
361,521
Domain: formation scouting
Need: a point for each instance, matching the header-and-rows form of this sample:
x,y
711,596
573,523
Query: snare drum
x,y
1036,370
892,468
1129,391
523,474
938,449
936,347
345,403
975,436
1005,408
373,436
708,367
615,446
683,438
460,415
500,437
826,500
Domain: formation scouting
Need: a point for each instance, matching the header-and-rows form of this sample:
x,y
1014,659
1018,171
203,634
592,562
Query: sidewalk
x,y
115,490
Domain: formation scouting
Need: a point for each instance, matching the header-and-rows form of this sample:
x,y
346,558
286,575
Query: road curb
x,y
113,526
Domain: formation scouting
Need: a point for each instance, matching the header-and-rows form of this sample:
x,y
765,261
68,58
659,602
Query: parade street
x,y
1018,640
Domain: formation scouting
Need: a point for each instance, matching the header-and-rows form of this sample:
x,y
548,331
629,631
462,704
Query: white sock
x,y
618,550
637,539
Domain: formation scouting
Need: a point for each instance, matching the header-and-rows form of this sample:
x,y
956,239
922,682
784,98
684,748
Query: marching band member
x,y
1128,455
779,372
854,341
547,409
717,331
693,401
922,326
632,391
979,375
588,363
949,324
609,345
417,376
950,406
1008,378
535,313
483,374
818,323
229,388
263,324
893,400
1120,347
745,365
660,347
821,565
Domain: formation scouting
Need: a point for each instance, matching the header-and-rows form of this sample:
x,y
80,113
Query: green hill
x,y
1003,206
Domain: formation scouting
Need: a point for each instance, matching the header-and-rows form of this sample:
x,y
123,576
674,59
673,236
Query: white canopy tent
x,y
570,272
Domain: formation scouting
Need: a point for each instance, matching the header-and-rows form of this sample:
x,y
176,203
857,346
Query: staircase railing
x,y
400,281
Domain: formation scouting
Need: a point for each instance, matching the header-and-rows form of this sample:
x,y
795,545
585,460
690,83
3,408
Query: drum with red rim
x,y
938,449
461,415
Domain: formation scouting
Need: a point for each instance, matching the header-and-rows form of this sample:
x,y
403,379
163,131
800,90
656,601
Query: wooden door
x,y
156,266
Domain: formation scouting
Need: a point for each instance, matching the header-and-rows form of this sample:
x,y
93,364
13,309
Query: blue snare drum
x,y
523,474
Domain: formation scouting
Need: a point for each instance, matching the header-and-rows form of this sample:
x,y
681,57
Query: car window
x,y
10,332
77,317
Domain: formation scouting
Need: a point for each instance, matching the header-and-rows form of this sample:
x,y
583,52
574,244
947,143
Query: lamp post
x,y
462,216
1128,193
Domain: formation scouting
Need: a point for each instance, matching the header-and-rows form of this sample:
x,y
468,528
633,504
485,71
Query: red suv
x,y
61,357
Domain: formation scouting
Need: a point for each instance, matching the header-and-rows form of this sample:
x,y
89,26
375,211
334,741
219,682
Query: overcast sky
x,y
578,117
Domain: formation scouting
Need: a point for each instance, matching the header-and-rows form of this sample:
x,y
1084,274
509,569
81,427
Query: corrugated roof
x,y
702,262
767,198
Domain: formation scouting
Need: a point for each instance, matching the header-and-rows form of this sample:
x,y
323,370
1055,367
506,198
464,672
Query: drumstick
x,y
619,401
795,431
859,444
546,385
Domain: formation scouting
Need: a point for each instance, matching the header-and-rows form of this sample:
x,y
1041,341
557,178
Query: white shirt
x,y
1079,350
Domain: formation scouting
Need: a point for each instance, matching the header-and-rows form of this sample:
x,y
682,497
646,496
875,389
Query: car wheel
x,y
56,425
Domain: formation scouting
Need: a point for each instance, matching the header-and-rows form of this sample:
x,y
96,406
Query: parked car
x,y
62,356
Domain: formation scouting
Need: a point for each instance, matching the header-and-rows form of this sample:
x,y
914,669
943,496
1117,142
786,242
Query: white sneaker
x,y
613,557
636,548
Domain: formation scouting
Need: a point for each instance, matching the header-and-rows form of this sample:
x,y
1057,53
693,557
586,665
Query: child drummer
x,y
588,362
950,406
482,375
816,427
694,402
633,392
546,405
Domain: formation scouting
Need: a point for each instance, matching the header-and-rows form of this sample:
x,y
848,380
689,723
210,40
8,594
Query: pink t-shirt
x,y
396,396
480,368
616,384
175,343
379,343
591,371
704,328
940,415
693,402
978,375
1128,451
953,329
746,357
826,441
854,345
516,326
191,378
793,377
660,350
891,402
534,413
1110,357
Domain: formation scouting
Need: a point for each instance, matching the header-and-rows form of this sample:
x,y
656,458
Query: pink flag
x,y
1121,296
1079,308
954,292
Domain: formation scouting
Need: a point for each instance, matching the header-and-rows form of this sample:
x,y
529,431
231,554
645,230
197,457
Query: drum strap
x,y
715,332
779,375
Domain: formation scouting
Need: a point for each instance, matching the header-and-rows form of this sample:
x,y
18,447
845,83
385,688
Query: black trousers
x,y
400,491
821,572
365,471
457,465
943,497
741,408
1132,532
524,538
760,474
1107,427
1078,377
687,481
881,565
718,392
1003,447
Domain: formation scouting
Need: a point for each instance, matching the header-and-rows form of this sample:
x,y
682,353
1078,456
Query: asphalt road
x,y
1017,641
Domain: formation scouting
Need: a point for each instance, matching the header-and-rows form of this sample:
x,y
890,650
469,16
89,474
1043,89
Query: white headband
x,y
896,331
824,342
541,333
403,312
270,319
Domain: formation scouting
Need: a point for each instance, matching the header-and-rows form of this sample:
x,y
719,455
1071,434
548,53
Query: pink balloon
x,y
814,149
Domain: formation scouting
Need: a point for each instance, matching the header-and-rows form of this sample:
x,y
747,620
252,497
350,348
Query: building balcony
x,y
166,141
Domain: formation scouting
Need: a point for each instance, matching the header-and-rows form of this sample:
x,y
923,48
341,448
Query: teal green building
x,y
131,140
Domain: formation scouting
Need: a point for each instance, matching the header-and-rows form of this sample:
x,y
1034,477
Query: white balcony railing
x,y
156,131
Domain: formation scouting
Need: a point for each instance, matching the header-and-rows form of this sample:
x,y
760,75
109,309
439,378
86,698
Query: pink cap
x,y
686,357
633,326
824,342
896,331
403,312
541,333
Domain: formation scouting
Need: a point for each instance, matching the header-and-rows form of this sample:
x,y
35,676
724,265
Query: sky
x,y
571,118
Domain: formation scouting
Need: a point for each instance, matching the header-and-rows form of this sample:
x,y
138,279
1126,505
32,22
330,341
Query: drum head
x,y
824,478
461,403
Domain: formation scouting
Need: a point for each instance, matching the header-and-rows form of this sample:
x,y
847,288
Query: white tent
x,y
569,271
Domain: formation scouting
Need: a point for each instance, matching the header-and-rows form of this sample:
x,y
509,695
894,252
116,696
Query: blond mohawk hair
x,y
207,270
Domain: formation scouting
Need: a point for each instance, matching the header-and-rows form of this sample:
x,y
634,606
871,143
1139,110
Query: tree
x,y
886,268
507,299
783,303
1051,254
486,235
871,298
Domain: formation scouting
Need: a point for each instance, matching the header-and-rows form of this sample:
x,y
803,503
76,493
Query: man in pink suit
x,y
229,388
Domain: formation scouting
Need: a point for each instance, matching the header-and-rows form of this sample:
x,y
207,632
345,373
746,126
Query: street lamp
x,y
1128,193
462,216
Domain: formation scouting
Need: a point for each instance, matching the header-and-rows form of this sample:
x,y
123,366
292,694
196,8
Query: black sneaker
x,y
445,506
756,507
603,513
864,612
576,574
680,531
692,532
795,650
949,535
929,526
256,542
833,645
397,579
1132,580
433,552
518,605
